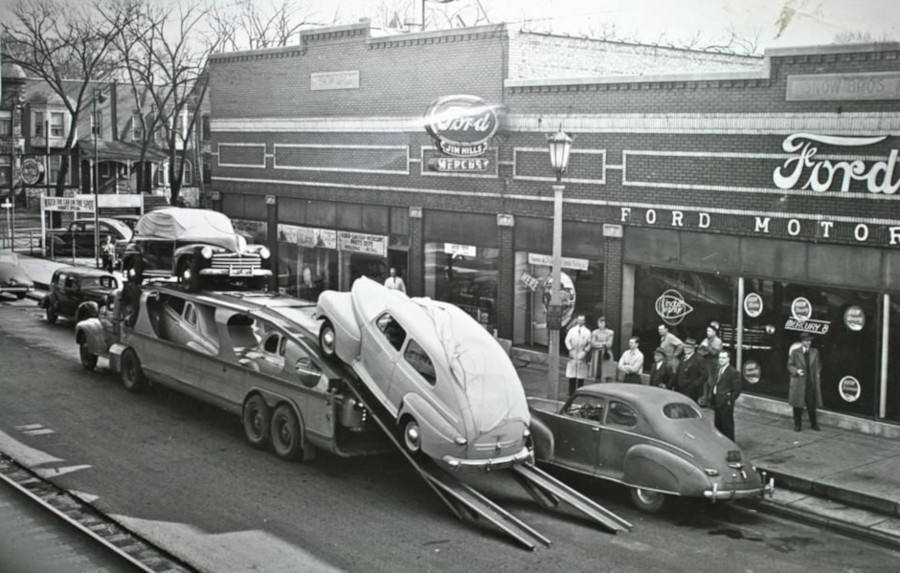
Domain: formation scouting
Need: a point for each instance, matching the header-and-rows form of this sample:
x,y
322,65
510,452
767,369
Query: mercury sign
x,y
461,125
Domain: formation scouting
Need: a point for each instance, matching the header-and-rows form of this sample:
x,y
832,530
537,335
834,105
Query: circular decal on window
x,y
855,318
849,389
752,371
672,308
753,305
32,170
801,309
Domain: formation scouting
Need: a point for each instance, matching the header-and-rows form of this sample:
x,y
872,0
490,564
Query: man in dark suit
x,y
725,391
805,368
693,372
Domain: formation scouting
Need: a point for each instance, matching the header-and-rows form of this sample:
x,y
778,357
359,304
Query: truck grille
x,y
233,262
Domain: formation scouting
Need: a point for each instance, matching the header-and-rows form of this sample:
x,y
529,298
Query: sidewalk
x,y
835,478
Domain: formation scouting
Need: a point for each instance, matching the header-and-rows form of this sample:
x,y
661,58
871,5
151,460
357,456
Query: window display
x,y
465,275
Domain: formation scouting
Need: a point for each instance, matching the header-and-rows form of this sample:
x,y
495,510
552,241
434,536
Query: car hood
x,y
9,272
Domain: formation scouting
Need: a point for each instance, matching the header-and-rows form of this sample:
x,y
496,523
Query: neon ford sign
x,y
461,125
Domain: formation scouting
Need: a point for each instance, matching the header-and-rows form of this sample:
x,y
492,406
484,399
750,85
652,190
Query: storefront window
x,y
582,293
465,275
686,302
892,403
845,325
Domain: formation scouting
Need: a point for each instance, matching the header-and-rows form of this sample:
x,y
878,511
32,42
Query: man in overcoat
x,y
805,368
725,391
578,342
692,374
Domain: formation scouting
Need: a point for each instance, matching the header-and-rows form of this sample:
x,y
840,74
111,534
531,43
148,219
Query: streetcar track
x,y
80,515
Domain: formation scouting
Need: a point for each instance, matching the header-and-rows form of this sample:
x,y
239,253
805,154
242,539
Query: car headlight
x,y
711,473
264,253
526,432
207,252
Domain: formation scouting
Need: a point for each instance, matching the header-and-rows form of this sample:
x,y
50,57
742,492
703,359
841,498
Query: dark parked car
x,y
80,235
193,244
653,440
78,293
13,278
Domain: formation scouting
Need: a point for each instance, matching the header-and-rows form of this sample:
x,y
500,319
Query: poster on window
x,y
363,243
307,236
253,231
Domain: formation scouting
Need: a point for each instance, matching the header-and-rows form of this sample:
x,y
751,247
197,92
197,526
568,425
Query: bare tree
x,y
247,25
68,46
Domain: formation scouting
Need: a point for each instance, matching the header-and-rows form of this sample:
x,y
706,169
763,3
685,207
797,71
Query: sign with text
x,y
346,80
83,204
844,87
307,236
460,250
459,164
809,325
567,262
461,125
753,305
672,308
801,308
363,243
855,318
849,389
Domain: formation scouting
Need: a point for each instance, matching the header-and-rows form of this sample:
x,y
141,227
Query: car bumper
x,y
16,289
228,273
488,464
724,494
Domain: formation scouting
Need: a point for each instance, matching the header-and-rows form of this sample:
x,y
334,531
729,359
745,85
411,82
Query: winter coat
x,y
796,363
578,342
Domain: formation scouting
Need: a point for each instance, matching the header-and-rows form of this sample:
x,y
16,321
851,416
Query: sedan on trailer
x,y
449,384
13,278
653,440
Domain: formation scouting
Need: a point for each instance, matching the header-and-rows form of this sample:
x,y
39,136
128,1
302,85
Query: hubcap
x,y
412,436
328,340
648,496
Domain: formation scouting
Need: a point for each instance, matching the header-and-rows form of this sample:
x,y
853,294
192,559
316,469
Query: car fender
x,y
337,307
87,309
655,468
543,440
437,433
47,301
92,333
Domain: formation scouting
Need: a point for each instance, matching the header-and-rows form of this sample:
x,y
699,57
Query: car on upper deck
x,y
447,382
653,440
193,245
77,293
13,278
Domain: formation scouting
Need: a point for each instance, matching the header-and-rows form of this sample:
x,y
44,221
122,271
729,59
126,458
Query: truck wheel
x,y
256,418
287,439
188,274
328,340
412,436
88,358
51,313
648,501
132,376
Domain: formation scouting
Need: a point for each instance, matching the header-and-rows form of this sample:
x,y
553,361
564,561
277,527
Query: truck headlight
x,y
264,253
207,252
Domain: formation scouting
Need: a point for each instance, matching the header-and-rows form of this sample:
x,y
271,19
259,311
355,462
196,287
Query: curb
x,y
834,493
844,527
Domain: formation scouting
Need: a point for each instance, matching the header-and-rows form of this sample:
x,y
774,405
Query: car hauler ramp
x,y
464,501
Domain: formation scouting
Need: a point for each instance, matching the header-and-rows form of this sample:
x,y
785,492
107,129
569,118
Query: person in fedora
x,y
692,374
660,373
806,374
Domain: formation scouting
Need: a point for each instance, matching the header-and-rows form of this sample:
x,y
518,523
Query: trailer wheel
x,y
88,358
648,501
256,418
412,436
132,375
287,439
328,340
52,317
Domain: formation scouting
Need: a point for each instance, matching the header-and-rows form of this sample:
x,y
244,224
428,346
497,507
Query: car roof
x,y
637,394
84,272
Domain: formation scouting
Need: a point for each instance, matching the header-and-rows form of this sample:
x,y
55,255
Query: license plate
x,y
240,272
734,456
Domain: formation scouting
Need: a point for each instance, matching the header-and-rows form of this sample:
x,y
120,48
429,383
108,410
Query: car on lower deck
x,y
450,386
77,293
655,441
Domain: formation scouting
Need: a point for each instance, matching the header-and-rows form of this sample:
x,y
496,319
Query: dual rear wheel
x,y
278,428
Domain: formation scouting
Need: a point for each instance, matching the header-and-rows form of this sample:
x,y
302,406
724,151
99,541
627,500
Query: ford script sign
x,y
461,125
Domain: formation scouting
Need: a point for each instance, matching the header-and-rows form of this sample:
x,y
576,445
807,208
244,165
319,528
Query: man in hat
x,y
692,373
660,373
806,374
725,391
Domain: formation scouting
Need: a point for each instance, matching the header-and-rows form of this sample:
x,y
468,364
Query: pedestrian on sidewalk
x,y
109,254
660,374
631,363
709,350
578,342
806,374
603,363
671,345
725,392
693,374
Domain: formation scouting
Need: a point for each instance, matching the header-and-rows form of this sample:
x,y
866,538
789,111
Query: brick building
x,y
759,194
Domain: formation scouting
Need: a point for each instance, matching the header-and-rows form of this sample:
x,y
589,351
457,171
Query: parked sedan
x,y
13,278
80,236
653,440
448,383
78,293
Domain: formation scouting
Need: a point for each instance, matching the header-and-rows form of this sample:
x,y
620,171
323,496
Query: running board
x,y
549,491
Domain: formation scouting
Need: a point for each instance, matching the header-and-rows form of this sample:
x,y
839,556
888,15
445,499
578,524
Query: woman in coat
x,y
805,391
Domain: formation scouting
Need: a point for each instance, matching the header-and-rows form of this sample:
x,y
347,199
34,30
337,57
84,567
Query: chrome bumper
x,y
716,494
489,464
229,273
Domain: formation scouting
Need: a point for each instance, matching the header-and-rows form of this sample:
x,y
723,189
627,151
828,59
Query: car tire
x,y
188,274
328,340
287,436
132,375
648,501
256,418
411,436
131,303
88,358
52,316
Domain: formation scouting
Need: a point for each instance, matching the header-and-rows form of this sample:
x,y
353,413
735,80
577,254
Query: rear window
x,y
678,411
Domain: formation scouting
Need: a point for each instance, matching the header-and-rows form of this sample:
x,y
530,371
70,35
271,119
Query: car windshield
x,y
680,411
480,367
94,282
9,258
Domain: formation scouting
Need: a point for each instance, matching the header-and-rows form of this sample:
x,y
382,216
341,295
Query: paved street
x,y
180,473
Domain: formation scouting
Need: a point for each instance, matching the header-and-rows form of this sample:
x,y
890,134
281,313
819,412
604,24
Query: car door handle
x,y
595,429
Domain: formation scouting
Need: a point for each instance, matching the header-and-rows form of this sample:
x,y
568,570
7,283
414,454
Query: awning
x,y
119,151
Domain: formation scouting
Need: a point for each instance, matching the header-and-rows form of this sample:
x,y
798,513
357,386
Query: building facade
x,y
756,194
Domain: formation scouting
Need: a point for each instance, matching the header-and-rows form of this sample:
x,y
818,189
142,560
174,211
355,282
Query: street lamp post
x,y
95,127
560,145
